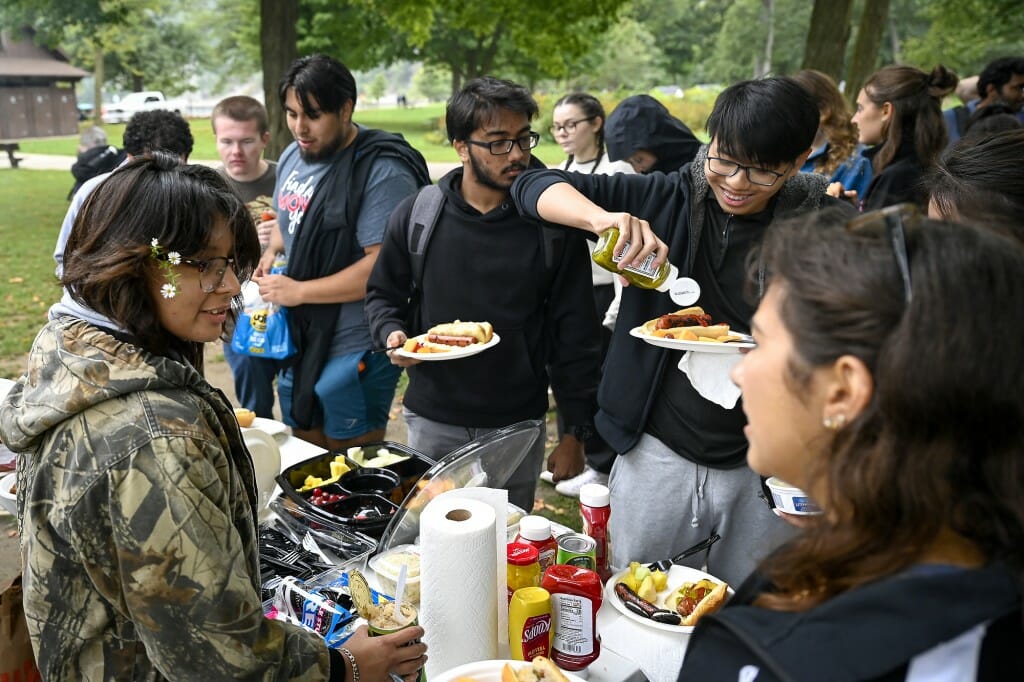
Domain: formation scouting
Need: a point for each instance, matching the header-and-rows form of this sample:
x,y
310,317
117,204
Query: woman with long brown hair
x,y
899,112
836,153
868,389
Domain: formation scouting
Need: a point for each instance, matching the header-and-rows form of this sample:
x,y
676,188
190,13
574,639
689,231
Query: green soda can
x,y
577,549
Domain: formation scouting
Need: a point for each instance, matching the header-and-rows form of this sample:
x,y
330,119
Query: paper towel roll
x,y
458,609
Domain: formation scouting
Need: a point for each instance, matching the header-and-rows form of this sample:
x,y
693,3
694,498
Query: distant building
x,y
37,89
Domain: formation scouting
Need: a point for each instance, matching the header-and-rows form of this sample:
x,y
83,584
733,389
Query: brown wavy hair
x,y
916,98
839,130
108,260
941,442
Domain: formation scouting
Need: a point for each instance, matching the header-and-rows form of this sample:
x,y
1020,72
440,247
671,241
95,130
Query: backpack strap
x,y
426,209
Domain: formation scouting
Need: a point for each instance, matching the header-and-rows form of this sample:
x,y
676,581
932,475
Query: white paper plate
x,y
485,671
677,575
696,346
454,354
269,426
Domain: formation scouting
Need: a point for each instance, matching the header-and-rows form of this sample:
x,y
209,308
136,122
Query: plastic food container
x,y
790,499
387,566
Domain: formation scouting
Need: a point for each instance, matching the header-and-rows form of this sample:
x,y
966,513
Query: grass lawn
x,y
34,206
422,126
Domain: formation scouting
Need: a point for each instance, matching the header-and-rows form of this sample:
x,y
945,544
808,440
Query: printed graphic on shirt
x,y
748,673
293,199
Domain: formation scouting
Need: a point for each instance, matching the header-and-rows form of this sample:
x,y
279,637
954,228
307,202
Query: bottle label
x,y
536,636
646,268
572,622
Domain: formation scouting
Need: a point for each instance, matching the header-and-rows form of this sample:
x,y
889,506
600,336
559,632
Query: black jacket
x,y
490,267
642,122
870,633
675,205
92,162
901,181
325,245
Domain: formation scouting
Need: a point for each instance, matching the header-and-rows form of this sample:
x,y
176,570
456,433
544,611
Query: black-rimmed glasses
x,y
569,126
893,217
502,147
211,270
757,176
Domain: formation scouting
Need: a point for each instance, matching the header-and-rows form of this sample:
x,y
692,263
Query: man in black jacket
x,y
683,473
486,263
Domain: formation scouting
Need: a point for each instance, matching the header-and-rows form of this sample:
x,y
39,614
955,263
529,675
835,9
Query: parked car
x,y
131,103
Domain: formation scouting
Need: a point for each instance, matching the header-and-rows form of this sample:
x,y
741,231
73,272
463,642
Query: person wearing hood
x,y
136,494
641,131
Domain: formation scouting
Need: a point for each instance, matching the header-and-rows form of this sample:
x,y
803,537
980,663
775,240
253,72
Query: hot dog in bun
x,y
692,601
445,337
541,669
686,324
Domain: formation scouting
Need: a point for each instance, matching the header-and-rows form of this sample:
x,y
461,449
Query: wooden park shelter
x,y
37,89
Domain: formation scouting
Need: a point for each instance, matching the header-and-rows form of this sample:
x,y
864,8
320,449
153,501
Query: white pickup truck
x,y
130,104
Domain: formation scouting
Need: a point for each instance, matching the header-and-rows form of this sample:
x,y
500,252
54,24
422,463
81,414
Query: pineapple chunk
x,y
338,468
647,590
660,580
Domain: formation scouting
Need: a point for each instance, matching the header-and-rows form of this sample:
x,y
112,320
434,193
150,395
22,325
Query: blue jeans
x,y
254,381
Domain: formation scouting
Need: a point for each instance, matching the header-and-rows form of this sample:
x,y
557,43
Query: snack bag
x,y
262,328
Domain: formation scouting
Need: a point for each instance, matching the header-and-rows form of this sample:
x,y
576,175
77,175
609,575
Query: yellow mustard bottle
x,y
645,276
529,623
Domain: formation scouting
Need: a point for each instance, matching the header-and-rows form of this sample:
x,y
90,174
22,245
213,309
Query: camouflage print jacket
x,y
136,496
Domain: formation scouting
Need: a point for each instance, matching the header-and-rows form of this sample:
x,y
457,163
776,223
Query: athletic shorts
x,y
353,402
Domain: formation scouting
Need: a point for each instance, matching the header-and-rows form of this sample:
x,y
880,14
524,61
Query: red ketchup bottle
x,y
575,599
595,510
536,531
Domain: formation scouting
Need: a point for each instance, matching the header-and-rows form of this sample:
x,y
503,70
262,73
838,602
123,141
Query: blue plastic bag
x,y
262,331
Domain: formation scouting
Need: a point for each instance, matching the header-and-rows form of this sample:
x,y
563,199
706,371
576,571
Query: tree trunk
x,y
769,43
97,85
827,38
865,50
278,49
894,39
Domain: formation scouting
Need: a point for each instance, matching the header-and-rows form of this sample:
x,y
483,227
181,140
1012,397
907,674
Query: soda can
x,y
577,549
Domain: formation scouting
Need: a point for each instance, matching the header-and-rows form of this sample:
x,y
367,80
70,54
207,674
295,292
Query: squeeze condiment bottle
x,y
575,599
596,511
529,623
646,276
523,567
536,531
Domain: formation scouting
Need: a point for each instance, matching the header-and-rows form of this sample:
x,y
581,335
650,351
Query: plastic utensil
x,y
400,590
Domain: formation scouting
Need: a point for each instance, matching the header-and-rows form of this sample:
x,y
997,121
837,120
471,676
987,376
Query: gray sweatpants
x,y
663,503
437,439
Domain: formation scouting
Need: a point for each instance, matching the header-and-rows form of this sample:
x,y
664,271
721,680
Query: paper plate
x,y
695,346
271,427
485,671
677,575
455,353
266,462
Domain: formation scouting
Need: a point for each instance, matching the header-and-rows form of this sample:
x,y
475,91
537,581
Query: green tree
x,y
828,36
741,48
637,70
431,83
377,87
981,30
684,32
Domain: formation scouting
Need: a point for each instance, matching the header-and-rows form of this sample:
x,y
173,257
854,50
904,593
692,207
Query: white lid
x,y
534,528
594,495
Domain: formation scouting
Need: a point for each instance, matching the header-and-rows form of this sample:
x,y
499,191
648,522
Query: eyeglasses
x,y
757,176
569,126
893,217
211,271
502,147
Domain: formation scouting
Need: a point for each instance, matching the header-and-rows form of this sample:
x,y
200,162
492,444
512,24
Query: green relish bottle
x,y
645,276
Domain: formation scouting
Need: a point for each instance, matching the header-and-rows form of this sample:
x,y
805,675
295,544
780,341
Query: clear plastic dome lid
x,y
488,461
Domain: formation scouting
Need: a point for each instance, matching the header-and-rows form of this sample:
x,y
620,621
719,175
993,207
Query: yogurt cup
x,y
790,499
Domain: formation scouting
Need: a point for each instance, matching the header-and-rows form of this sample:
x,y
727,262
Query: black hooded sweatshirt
x,y
491,267
642,122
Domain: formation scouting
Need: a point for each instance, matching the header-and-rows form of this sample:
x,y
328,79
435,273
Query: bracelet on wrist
x,y
352,661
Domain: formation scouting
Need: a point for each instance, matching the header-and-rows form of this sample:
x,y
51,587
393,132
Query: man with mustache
x,y
337,183
486,263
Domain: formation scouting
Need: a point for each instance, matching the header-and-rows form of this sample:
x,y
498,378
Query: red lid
x,y
521,554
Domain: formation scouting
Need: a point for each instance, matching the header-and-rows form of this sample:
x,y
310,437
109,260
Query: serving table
x,y
620,639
